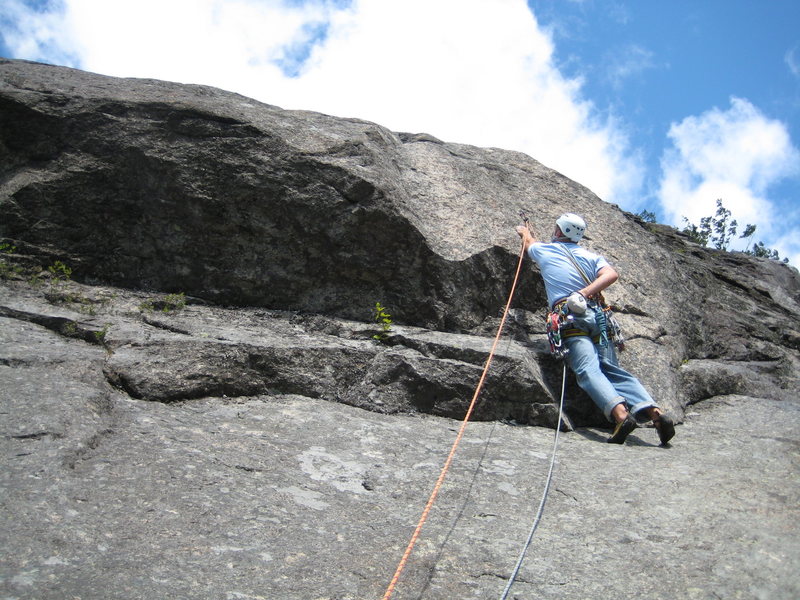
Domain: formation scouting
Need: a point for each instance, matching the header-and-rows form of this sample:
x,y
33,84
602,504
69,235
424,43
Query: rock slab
x,y
175,188
220,450
279,495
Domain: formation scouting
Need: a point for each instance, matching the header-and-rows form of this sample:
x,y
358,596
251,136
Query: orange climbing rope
x,y
448,462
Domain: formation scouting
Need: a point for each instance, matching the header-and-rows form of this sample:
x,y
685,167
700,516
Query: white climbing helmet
x,y
572,226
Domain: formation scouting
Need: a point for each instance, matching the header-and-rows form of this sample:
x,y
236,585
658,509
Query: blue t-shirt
x,y
561,278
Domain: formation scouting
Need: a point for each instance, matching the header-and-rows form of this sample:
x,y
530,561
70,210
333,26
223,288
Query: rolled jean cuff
x,y
610,406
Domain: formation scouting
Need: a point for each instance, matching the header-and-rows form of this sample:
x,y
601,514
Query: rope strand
x,y
539,513
412,542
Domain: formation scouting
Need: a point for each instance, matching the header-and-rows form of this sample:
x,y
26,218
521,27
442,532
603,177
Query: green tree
x,y
718,229
700,234
724,227
647,216
761,251
749,231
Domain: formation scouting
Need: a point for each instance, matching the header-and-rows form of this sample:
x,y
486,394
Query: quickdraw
x,y
614,330
555,323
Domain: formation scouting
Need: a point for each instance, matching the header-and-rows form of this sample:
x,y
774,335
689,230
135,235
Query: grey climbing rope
x,y
539,512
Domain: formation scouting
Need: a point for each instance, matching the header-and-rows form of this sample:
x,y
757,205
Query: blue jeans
x,y
597,370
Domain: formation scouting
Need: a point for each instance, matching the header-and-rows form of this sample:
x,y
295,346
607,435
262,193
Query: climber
x,y
591,354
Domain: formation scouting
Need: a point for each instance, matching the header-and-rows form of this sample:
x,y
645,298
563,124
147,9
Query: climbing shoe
x,y
665,427
622,430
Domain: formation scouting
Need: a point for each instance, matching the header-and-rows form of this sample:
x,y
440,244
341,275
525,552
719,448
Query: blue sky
x,y
653,64
664,106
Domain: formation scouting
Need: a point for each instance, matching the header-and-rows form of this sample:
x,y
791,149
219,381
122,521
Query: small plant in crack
x,y
60,274
70,329
7,268
174,302
100,334
170,303
382,317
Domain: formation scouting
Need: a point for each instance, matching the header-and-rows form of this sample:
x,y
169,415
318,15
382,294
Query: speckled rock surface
x,y
177,188
220,449
285,496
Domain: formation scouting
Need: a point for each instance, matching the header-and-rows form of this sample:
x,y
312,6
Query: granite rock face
x,y
173,188
219,449
182,188
281,495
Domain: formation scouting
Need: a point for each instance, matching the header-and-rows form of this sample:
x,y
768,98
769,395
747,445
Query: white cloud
x,y
472,71
233,44
792,61
35,35
734,155
619,12
625,62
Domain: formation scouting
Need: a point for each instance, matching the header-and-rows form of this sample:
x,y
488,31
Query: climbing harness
x,y
605,319
412,542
